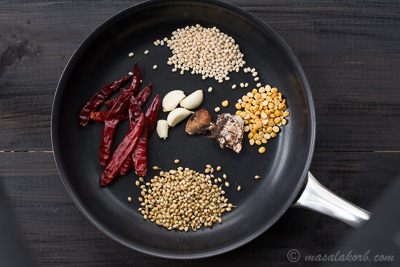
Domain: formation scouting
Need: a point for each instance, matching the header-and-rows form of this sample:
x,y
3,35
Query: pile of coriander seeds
x,y
183,199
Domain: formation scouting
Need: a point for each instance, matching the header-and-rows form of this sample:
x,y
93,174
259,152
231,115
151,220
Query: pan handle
x,y
317,198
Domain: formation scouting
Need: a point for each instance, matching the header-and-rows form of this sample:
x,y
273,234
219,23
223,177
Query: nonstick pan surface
x,y
103,57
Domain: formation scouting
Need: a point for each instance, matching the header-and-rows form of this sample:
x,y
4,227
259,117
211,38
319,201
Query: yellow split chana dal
x,y
264,112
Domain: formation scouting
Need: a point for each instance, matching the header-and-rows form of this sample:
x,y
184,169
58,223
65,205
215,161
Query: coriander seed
x,y
185,199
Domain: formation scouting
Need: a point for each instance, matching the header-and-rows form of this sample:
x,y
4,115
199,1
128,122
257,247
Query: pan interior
x,y
103,57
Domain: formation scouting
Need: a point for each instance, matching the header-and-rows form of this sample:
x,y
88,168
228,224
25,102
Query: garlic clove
x,y
172,99
162,129
177,115
193,100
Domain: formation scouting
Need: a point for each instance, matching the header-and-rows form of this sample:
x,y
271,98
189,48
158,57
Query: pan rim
x,y
109,232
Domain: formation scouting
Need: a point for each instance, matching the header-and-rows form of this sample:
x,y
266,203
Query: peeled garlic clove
x,y
177,115
193,100
162,129
172,99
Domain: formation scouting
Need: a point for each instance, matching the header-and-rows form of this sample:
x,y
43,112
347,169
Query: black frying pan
x,y
103,57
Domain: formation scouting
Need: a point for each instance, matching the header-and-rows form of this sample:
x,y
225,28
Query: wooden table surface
x,y
350,51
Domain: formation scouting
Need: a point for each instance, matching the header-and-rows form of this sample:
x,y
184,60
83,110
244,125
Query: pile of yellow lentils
x,y
263,111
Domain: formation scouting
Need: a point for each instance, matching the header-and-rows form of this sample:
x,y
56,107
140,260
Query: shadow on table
x,y
13,252
376,243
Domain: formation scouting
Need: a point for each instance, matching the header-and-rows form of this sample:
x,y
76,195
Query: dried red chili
x,y
134,114
127,165
141,148
123,151
139,155
110,103
99,116
98,98
151,113
141,98
143,95
137,75
115,115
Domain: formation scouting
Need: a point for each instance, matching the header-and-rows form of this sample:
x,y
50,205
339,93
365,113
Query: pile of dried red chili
x,y
132,151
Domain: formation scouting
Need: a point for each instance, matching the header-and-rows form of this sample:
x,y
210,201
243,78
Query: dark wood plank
x,y
350,52
57,234
35,47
